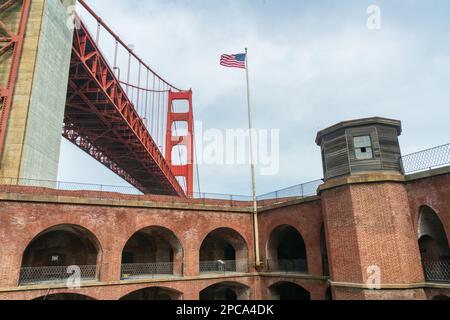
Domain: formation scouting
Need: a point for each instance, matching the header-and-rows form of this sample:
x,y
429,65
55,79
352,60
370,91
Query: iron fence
x,y
426,159
437,271
54,275
287,266
132,271
69,186
219,266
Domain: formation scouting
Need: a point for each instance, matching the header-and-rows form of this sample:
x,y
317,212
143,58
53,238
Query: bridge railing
x,y
426,160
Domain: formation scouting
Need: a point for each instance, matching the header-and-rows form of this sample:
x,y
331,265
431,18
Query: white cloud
x,y
310,68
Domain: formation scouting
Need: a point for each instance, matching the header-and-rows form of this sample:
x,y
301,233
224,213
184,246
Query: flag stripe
x,y
233,61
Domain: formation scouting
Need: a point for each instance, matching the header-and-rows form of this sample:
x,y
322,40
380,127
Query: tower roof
x,y
359,123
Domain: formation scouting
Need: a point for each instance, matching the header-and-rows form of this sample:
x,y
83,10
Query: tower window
x,y
363,148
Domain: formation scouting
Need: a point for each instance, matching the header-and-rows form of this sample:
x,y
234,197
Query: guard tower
x,y
361,146
374,252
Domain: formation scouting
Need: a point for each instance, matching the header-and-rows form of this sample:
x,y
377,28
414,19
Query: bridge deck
x,y
101,120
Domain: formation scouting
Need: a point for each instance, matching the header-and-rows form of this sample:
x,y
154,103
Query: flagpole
x,y
252,158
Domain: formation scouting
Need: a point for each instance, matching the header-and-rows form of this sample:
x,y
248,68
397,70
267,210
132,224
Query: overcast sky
x,y
313,64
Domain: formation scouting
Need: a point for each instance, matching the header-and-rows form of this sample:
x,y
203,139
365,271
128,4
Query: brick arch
x,y
93,237
318,292
233,237
242,291
303,290
171,290
29,237
36,294
419,211
306,218
278,227
90,236
126,236
70,295
124,290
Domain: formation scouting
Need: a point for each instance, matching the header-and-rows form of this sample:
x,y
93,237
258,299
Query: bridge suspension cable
x,y
147,91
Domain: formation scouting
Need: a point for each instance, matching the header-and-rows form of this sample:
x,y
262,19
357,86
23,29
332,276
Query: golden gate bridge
x,y
118,109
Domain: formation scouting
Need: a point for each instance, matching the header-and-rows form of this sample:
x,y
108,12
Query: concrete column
x,y
33,136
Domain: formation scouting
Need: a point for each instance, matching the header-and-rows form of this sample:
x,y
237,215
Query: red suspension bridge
x,y
118,110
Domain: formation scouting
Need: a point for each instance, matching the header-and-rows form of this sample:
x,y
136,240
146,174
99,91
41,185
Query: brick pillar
x,y
191,260
370,228
110,265
10,263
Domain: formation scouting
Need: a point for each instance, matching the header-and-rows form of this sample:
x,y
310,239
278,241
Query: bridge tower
x,y
373,248
35,52
179,144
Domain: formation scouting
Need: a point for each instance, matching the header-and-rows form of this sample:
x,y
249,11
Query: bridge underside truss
x,y
101,120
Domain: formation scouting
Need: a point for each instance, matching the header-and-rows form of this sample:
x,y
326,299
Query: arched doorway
x,y
60,253
288,291
224,250
151,252
286,251
65,297
434,248
226,291
153,293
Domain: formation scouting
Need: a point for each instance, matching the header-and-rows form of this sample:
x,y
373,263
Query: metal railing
x,y
299,191
139,271
106,191
54,275
426,159
229,266
288,266
437,271
69,186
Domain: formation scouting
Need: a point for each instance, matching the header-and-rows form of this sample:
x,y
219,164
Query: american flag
x,y
233,60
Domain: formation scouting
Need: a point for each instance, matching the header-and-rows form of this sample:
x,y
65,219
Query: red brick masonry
x,y
373,223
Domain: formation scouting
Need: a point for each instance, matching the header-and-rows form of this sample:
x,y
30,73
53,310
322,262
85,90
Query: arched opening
x,y
60,253
441,297
224,250
65,297
153,293
324,252
151,252
288,291
226,291
286,251
434,248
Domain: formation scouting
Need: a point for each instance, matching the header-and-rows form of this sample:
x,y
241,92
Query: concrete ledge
x,y
288,203
121,203
427,174
91,284
362,179
390,286
293,276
